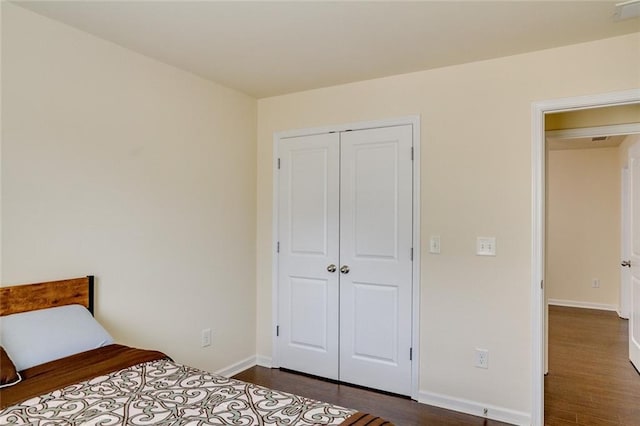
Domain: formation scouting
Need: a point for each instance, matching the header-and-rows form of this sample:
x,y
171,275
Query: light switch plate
x,y
434,244
486,246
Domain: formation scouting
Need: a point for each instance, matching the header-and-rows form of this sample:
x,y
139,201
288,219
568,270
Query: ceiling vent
x,y
599,138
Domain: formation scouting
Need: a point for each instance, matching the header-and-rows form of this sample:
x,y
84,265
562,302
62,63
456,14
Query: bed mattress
x,y
116,385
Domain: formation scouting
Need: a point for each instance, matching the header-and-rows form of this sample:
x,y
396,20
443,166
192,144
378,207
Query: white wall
x,y
476,181
117,165
583,225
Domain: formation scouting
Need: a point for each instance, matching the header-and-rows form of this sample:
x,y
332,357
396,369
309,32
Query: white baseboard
x,y
264,361
586,305
236,368
475,408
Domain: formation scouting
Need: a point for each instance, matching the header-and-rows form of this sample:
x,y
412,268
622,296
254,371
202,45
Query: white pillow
x,y
35,337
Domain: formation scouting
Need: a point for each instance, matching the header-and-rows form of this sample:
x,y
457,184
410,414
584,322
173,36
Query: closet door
x,y
375,258
308,237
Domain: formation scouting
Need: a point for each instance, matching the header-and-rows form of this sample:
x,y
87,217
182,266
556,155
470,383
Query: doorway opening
x,y
587,341
586,206
539,111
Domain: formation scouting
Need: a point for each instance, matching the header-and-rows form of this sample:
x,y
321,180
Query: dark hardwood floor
x,y
400,411
590,380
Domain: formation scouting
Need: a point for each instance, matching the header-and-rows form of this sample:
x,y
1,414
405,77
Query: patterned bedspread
x,y
166,393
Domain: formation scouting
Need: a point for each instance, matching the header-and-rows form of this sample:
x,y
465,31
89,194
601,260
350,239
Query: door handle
x,y
344,269
626,263
331,268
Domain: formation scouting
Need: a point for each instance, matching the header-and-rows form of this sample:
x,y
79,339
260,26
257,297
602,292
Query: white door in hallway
x,y
625,246
375,258
308,240
634,261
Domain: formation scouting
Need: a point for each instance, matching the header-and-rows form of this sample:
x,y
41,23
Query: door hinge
x,y
411,153
541,283
277,330
411,254
278,247
278,164
410,354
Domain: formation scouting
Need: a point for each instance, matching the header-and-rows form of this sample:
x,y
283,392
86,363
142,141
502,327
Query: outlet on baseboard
x,y
482,358
595,283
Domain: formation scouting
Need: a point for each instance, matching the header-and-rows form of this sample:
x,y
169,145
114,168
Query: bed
x,y
52,378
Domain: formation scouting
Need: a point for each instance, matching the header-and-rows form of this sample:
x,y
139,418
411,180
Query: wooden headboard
x,y
29,297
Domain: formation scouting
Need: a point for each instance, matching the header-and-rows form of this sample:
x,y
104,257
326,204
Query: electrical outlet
x,y
595,283
482,358
486,246
205,337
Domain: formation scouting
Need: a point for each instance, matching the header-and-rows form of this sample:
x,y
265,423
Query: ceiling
x,y
269,48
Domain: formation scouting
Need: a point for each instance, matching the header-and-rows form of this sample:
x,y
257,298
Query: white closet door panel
x,y
308,201
375,244
368,301
309,308
373,187
308,237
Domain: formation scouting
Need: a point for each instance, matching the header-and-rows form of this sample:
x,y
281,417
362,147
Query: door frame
x,y
414,121
538,167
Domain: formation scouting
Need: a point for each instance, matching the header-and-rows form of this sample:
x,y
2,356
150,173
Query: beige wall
x,y
583,223
1,133
476,180
117,165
